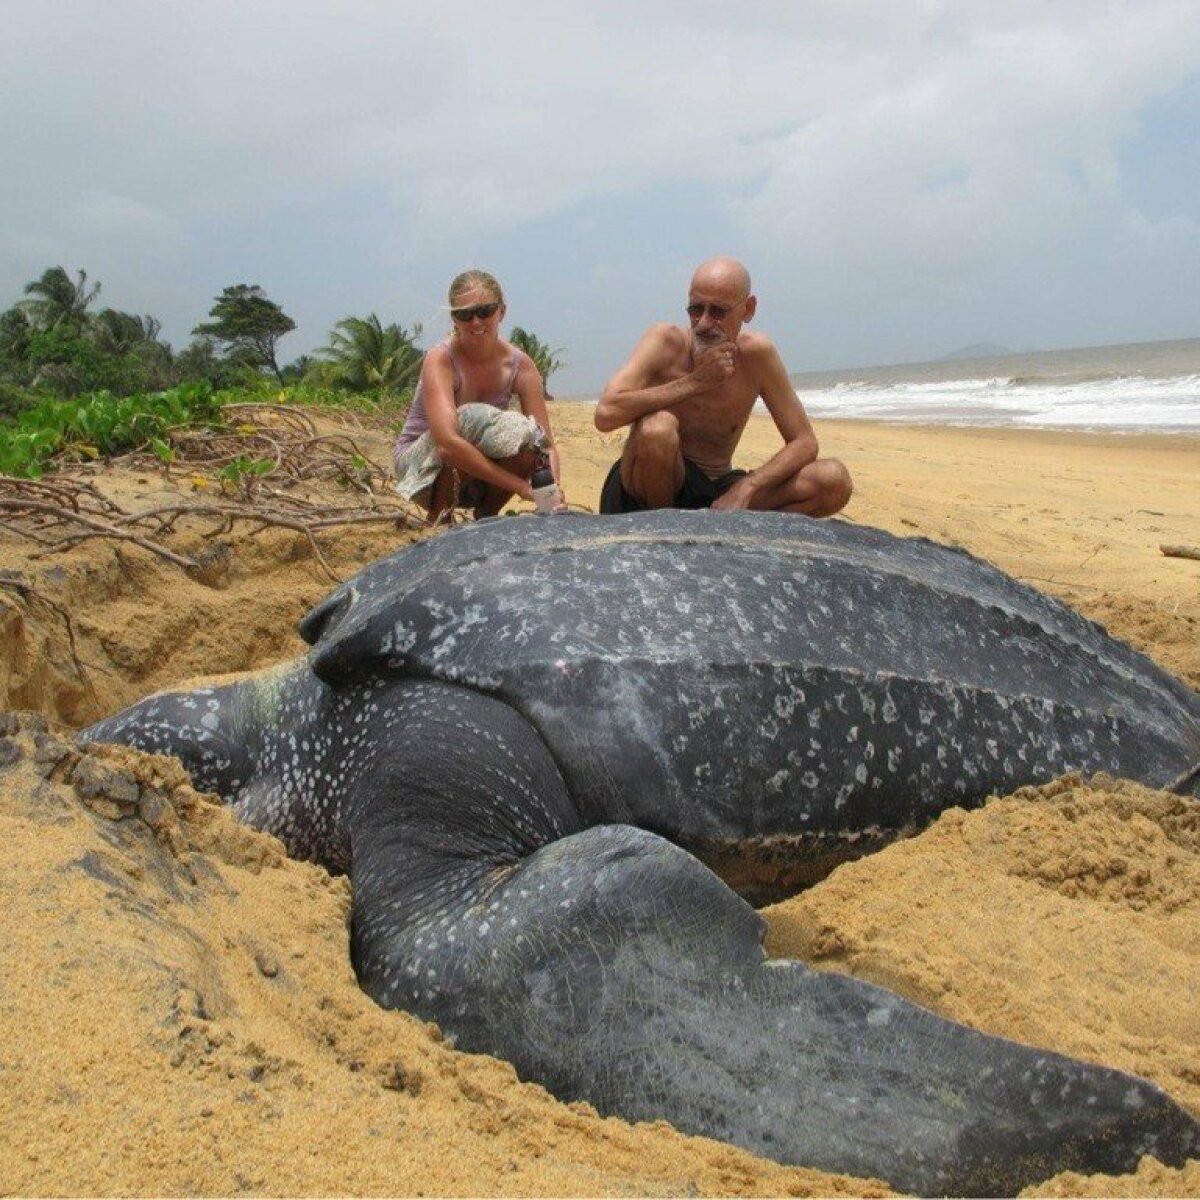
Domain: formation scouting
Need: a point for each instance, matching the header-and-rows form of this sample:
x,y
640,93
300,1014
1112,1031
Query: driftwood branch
x,y
15,584
1181,551
73,512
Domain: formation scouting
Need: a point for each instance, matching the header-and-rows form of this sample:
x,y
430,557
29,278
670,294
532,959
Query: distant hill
x,y
978,350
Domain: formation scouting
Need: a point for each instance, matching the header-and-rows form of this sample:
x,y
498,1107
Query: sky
x,y
901,179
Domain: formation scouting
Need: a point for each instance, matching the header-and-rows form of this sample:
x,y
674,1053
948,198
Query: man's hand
x,y
738,496
715,363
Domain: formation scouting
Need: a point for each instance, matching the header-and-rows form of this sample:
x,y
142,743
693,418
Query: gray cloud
x,y
902,179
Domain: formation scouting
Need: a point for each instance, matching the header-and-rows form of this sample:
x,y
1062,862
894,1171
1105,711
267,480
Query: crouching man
x,y
687,395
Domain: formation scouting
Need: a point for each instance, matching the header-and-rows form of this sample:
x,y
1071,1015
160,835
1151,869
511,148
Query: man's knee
x,y
658,434
834,484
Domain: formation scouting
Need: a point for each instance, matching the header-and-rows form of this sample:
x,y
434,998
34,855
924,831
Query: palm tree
x,y
59,302
545,359
365,355
116,332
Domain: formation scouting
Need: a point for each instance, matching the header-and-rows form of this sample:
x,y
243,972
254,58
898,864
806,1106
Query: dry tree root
x,y
260,452
261,457
28,597
283,442
1180,551
71,511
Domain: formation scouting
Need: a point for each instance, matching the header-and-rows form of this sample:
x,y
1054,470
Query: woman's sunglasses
x,y
466,315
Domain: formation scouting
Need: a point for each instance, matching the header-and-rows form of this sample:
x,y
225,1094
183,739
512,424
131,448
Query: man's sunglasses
x,y
466,315
718,312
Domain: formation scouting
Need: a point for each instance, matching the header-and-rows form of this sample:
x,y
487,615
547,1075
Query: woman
x,y
462,444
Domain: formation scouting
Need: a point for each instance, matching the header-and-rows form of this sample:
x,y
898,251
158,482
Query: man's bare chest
x,y
719,411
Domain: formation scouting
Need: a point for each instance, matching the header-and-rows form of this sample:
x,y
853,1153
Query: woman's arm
x,y
532,396
437,390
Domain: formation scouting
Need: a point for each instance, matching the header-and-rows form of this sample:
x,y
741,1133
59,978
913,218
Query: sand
x,y
177,1010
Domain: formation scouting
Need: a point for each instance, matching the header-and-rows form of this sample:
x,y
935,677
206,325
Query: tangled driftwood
x,y
257,464
27,597
68,511
288,451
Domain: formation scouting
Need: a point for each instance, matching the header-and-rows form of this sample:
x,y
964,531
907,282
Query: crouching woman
x,y
464,444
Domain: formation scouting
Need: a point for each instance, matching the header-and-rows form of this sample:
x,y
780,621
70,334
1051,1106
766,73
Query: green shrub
x,y
15,399
36,428
100,424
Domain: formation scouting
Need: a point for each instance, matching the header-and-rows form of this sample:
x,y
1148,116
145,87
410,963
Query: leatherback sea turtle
x,y
509,734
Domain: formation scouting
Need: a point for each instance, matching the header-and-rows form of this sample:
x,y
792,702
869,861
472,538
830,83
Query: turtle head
x,y
352,636
323,617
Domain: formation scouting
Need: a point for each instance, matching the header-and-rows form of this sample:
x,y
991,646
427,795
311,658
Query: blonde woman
x,y
464,443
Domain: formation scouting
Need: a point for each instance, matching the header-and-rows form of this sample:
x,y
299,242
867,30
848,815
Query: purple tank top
x,y
418,423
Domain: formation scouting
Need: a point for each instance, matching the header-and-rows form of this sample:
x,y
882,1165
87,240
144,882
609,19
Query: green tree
x,y
365,355
545,359
299,368
199,361
15,332
146,360
52,342
249,324
58,302
64,361
117,332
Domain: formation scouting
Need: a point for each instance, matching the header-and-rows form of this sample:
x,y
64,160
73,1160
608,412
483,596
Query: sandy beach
x,y
178,1012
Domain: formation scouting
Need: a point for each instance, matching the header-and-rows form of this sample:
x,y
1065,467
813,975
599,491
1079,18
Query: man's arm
x,y
632,393
800,442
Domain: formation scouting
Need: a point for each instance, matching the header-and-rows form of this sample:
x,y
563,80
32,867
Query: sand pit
x,y
179,1012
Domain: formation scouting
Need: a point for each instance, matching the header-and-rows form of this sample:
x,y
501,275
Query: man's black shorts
x,y
698,491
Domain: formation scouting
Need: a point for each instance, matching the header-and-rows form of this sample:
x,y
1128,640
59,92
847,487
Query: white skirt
x,y
496,433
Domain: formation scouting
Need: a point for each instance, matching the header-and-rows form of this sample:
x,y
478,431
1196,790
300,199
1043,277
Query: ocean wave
x,y
1130,402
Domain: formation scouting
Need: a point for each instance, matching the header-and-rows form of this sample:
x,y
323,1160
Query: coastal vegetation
x,y
79,381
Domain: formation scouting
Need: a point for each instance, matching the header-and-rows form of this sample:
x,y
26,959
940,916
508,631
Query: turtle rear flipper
x,y
610,966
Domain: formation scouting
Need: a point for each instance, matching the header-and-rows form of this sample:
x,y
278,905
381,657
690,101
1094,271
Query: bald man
x,y
687,395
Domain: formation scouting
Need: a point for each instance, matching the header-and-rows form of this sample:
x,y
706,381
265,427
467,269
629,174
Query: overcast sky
x,y
901,178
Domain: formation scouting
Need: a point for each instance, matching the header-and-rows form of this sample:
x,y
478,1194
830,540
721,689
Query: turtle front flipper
x,y
207,729
609,965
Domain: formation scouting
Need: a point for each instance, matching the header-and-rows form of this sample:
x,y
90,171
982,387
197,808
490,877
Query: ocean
x,y
1136,388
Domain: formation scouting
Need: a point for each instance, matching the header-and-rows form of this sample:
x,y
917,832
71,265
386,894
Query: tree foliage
x,y
15,331
365,355
546,360
249,324
55,345
51,342
57,301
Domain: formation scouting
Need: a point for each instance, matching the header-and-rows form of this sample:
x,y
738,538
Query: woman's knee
x,y
522,463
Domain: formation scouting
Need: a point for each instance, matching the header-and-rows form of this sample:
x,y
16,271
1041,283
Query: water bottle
x,y
545,490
